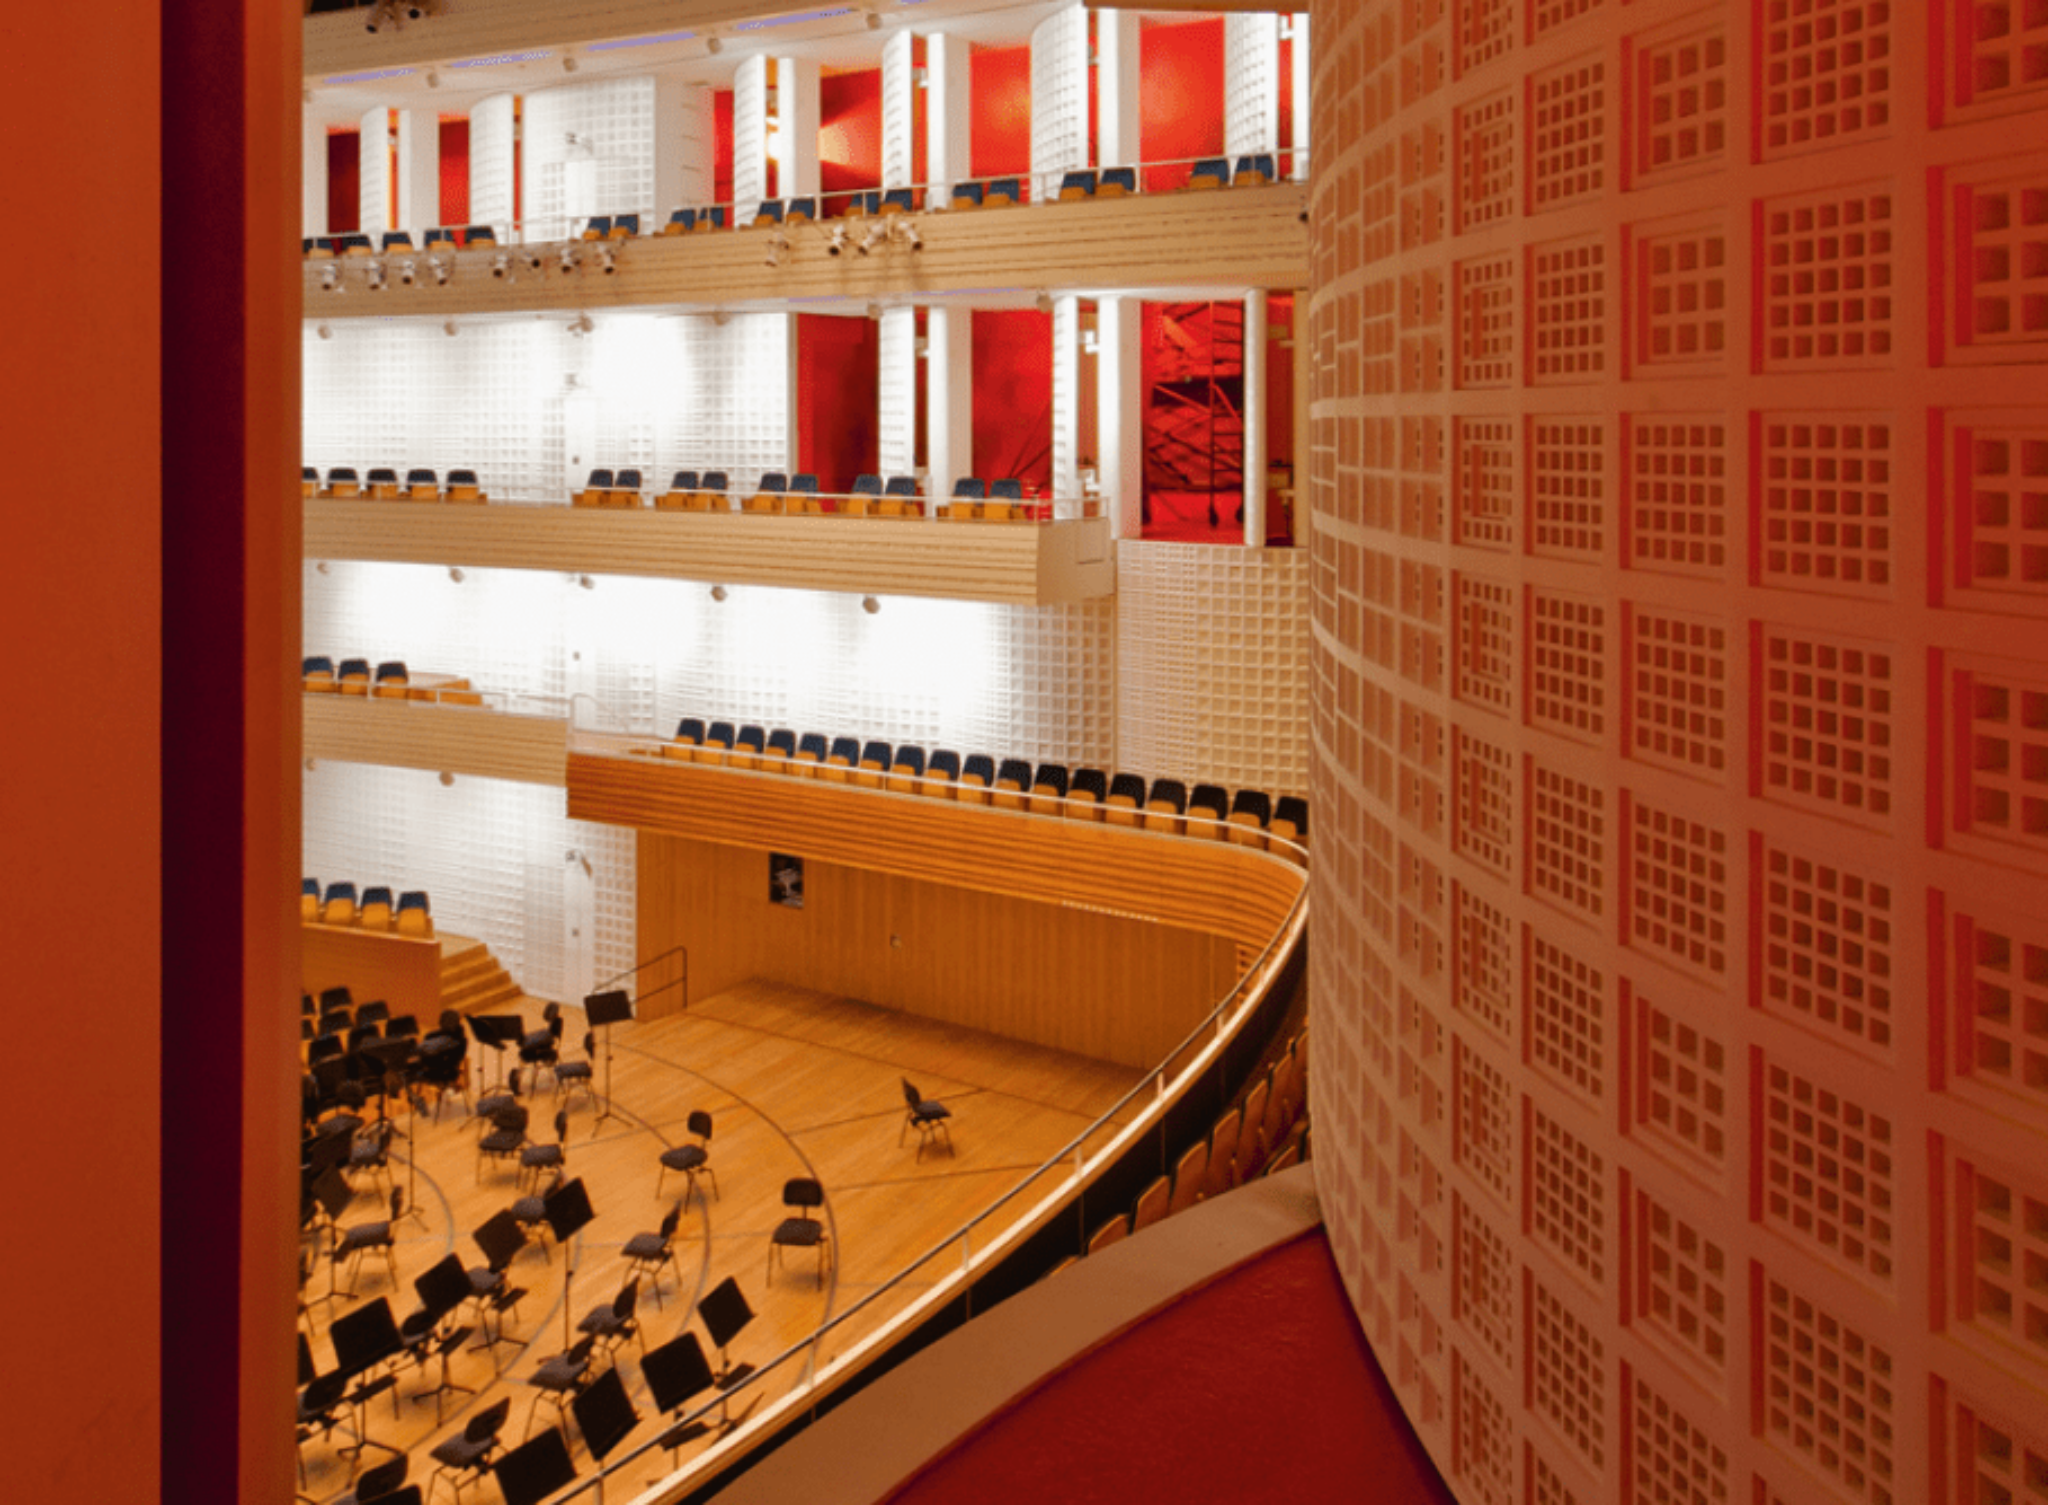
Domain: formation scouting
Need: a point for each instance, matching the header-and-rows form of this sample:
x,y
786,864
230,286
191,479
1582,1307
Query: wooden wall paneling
x,y
1106,986
1243,238
404,971
439,738
1216,887
1065,561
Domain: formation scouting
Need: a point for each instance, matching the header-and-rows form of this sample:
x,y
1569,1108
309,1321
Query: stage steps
x,y
473,981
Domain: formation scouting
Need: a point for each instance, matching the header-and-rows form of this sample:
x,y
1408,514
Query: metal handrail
x,y
677,950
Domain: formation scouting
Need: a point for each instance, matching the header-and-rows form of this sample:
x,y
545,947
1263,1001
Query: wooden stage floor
x,y
797,1084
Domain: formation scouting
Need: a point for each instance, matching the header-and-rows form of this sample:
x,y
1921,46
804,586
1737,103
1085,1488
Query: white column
x,y
491,133
1116,88
312,176
1066,397
899,100
949,400
798,114
683,147
948,120
896,398
1255,419
373,200
750,145
1120,411
1300,142
419,171
1059,98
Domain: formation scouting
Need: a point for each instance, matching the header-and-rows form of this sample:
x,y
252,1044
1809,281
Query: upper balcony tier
x,y
1187,242
1032,564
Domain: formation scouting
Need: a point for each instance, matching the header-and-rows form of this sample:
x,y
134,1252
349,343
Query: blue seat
x,y
867,485
977,775
800,211
600,480
1012,782
1125,798
769,212
679,221
774,480
1290,819
845,752
898,201
309,475
392,679
691,730
811,747
1088,786
412,899
597,227
712,218
1117,181
1048,786
474,236
1078,184
900,486
1009,490
967,195
970,488
1255,168
381,475
714,480
1210,172
1165,805
719,735
462,478
397,240
943,764
419,476
1250,813
624,225
804,482
626,480
906,768
439,236
1211,803
1004,191
413,917
683,480
866,202
782,743
354,676
318,664
356,245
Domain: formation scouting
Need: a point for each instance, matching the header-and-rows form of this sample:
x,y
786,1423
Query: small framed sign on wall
x,y
785,880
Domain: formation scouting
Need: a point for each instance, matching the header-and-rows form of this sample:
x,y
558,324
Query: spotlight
x,y
501,264
778,249
870,605
581,325
838,241
419,10
906,232
607,259
440,270
586,582
447,779
533,261
324,332
873,236
451,329
406,271
455,573
330,279
568,260
376,275
718,593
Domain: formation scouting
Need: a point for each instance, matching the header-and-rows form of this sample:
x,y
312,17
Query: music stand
x,y
363,1339
675,1372
725,1313
601,1011
567,1208
500,1238
604,1415
332,1191
496,1031
535,1469
441,1290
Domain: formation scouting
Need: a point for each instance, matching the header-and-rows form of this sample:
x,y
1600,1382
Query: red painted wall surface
x,y
1013,395
454,208
1256,1387
721,146
838,391
1180,95
1000,117
344,181
849,133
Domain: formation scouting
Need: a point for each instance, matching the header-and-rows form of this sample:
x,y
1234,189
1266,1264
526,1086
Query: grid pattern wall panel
x,y
492,132
519,401
375,189
896,420
494,858
899,91
1678,558
749,135
587,149
1212,664
1060,84
1251,83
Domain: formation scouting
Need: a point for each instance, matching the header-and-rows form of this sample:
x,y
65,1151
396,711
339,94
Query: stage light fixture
x,y
433,79
447,779
376,274
1043,302
455,573
439,268
838,241
873,236
532,261
569,63
581,325
407,271
330,279
778,248
902,230
568,262
586,582
713,46
607,259
501,264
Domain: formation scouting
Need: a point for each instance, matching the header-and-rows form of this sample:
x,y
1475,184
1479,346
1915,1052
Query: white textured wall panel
x,y
899,94
896,426
1251,83
1212,664
374,187
749,136
492,129
1059,99
588,149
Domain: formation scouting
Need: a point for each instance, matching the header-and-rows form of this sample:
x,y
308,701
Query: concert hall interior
x,y
921,630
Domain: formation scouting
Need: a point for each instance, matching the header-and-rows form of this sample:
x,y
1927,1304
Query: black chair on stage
x,y
542,1047
470,1450
802,1231
928,1116
490,1288
559,1378
369,1153
506,1138
320,1403
649,1253
690,1159
442,1057
380,1483
580,1075
353,1242
617,1320
536,1160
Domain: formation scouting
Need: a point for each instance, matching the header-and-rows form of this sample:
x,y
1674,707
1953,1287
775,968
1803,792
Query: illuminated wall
x,y
1680,739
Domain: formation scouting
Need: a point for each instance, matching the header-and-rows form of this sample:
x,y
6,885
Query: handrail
x,y
678,950
1076,1170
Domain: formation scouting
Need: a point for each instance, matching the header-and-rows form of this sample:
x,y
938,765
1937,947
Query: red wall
x,y
838,391
721,147
1180,95
850,132
344,180
1000,119
454,208
1258,1386
1013,395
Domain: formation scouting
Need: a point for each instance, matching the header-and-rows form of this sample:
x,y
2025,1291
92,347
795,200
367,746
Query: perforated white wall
x,y
1059,98
749,136
491,135
896,437
493,856
374,186
587,149
658,391
1066,397
1251,83
1212,663
899,91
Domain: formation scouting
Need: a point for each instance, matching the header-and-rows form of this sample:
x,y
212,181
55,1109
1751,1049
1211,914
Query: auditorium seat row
x,y
338,905
319,675
381,484
399,242
1251,817
1264,1131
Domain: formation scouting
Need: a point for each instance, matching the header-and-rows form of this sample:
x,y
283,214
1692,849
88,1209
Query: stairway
x,y
472,980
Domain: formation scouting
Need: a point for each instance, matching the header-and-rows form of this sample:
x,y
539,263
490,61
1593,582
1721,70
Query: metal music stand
x,y
535,1469
604,1414
332,1192
363,1339
569,1212
500,1238
675,1372
496,1031
442,1290
603,1010
725,1312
